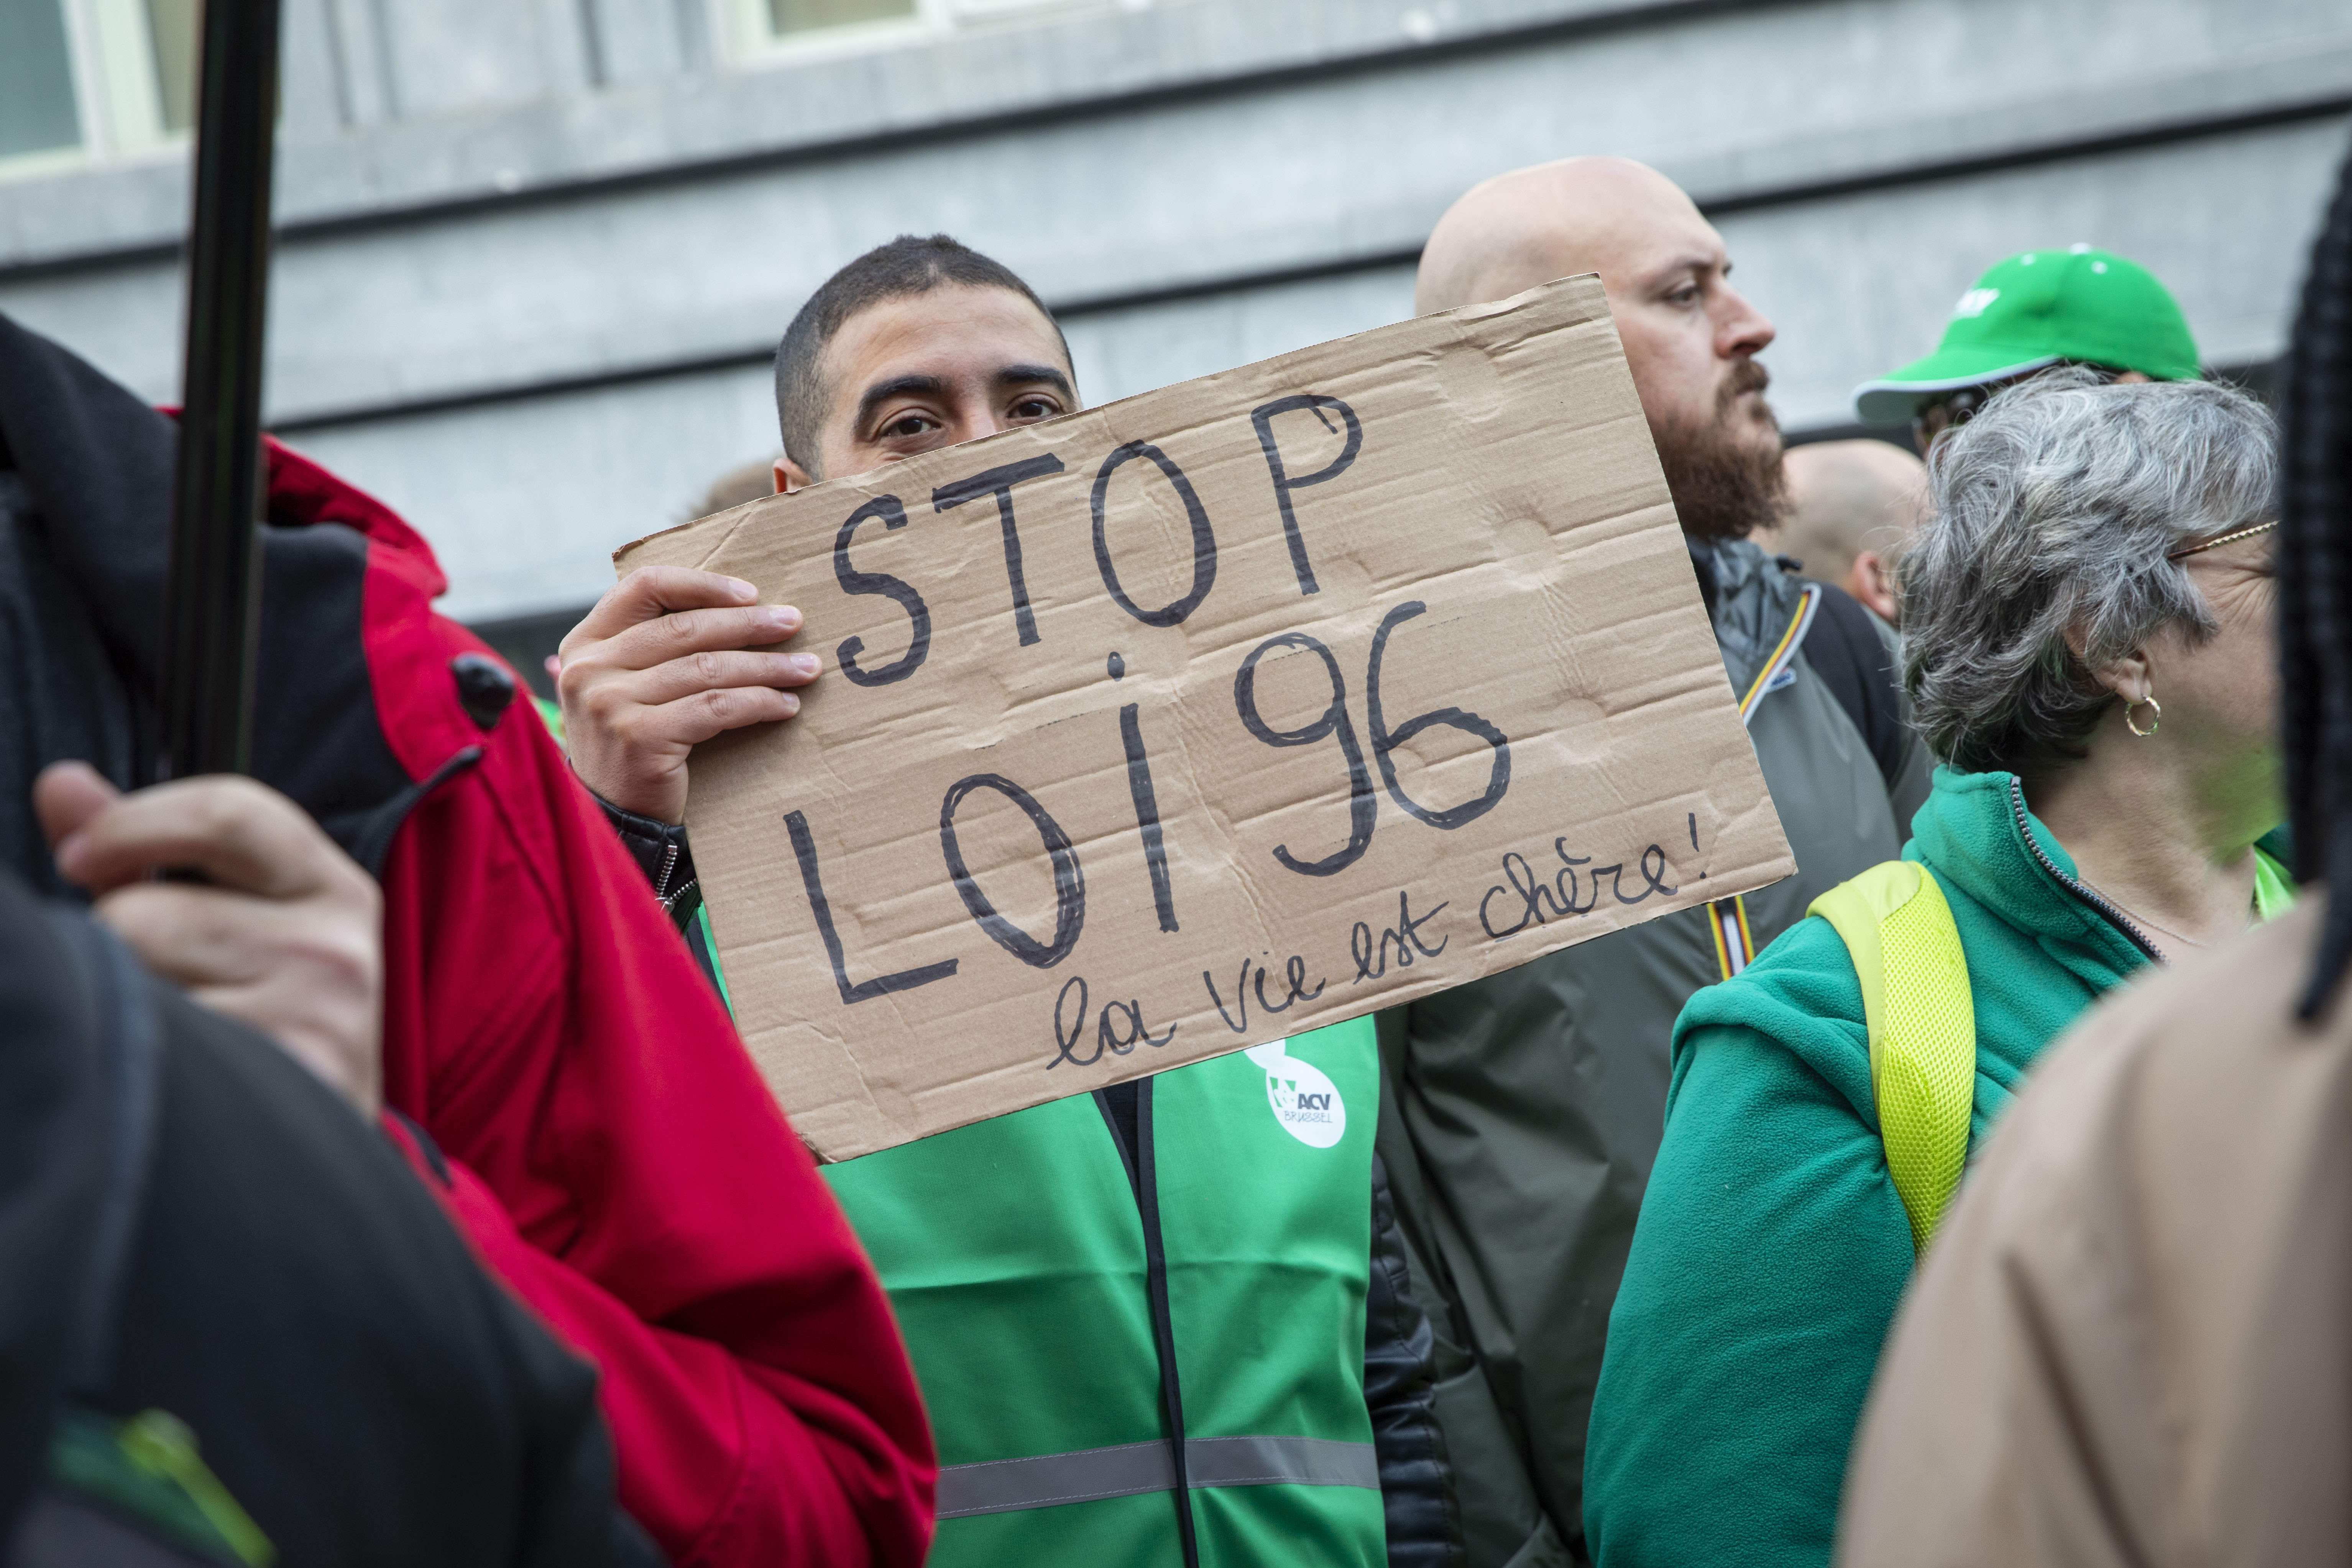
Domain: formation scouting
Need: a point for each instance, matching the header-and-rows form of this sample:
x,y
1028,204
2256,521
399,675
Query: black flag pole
x,y
211,598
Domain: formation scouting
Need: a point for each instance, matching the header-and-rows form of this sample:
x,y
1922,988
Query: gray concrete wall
x,y
532,267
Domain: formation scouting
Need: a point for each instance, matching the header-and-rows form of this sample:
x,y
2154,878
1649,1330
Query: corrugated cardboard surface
x,y
1503,478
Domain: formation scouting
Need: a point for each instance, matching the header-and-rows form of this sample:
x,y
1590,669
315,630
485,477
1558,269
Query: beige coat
x,y
2132,1342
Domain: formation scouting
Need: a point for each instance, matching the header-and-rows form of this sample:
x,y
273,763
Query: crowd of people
x,y
387,1182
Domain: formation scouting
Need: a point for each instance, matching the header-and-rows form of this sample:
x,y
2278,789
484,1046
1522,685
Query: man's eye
x,y
1035,408
1685,295
908,425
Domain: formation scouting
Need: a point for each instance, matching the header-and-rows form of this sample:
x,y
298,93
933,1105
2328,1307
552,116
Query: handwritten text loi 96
x,y
1121,1025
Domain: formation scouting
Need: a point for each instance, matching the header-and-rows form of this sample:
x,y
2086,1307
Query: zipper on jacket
x,y
2089,896
1142,1177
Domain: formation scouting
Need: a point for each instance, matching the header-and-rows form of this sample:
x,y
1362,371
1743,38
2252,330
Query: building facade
x,y
534,254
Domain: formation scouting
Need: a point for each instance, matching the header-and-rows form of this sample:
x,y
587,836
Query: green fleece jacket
x,y
1771,1249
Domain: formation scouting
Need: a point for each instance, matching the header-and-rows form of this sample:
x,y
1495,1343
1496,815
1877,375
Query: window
x,y
786,17
83,78
177,42
763,28
38,111
766,28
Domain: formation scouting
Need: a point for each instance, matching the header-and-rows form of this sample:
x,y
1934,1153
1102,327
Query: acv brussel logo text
x,y
1306,1103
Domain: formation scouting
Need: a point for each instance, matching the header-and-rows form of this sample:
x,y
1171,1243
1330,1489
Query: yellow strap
x,y
159,1443
1916,1002
2273,887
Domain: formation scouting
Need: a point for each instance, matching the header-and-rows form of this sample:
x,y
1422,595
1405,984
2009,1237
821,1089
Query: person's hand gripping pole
x,y
284,932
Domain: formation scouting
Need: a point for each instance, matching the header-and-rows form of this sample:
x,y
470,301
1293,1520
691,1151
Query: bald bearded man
x,y
1524,1109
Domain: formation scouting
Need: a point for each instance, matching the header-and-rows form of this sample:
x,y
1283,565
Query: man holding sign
x,y
1123,1306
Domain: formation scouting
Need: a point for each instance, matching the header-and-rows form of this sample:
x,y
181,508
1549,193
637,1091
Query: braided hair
x,y
2315,575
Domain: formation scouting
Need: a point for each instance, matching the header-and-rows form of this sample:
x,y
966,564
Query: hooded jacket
x,y
611,1151
1521,1112
1772,1247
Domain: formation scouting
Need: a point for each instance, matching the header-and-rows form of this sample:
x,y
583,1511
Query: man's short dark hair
x,y
909,263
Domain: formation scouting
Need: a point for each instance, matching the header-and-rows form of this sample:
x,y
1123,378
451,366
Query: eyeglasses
x,y
2231,538
1948,411
1943,412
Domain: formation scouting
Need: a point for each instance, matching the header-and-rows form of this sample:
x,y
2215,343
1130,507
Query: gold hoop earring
x,y
2155,717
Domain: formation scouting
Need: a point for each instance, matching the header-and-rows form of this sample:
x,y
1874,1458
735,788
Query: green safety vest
x,y
1920,1014
1027,1281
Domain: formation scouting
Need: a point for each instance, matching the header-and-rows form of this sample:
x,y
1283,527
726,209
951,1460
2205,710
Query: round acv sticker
x,y
1306,1102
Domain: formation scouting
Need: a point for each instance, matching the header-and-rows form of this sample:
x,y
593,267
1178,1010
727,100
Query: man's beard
x,y
1724,488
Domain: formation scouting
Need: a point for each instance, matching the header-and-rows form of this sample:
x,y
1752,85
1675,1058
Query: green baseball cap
x,y
2037,308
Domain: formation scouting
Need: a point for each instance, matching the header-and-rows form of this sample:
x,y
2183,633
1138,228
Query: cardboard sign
x,y
1200,719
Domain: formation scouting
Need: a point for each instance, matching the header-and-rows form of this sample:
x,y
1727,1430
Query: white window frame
x,y
751,42
111,50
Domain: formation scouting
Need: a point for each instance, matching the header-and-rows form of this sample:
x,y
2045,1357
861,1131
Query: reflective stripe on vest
x,y
1002,1486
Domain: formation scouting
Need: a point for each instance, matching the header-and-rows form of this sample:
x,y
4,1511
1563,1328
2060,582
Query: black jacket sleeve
x,y
263,1266
661,852
1854,654
1857,664
1424,1526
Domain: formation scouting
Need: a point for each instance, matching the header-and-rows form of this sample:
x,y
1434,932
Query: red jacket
x,y
612,1150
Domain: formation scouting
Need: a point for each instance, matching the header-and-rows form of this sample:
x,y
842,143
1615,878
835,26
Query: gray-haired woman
x,y
2088,621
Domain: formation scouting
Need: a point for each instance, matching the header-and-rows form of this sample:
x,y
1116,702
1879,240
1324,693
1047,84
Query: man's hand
x,y
287,936
666,660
